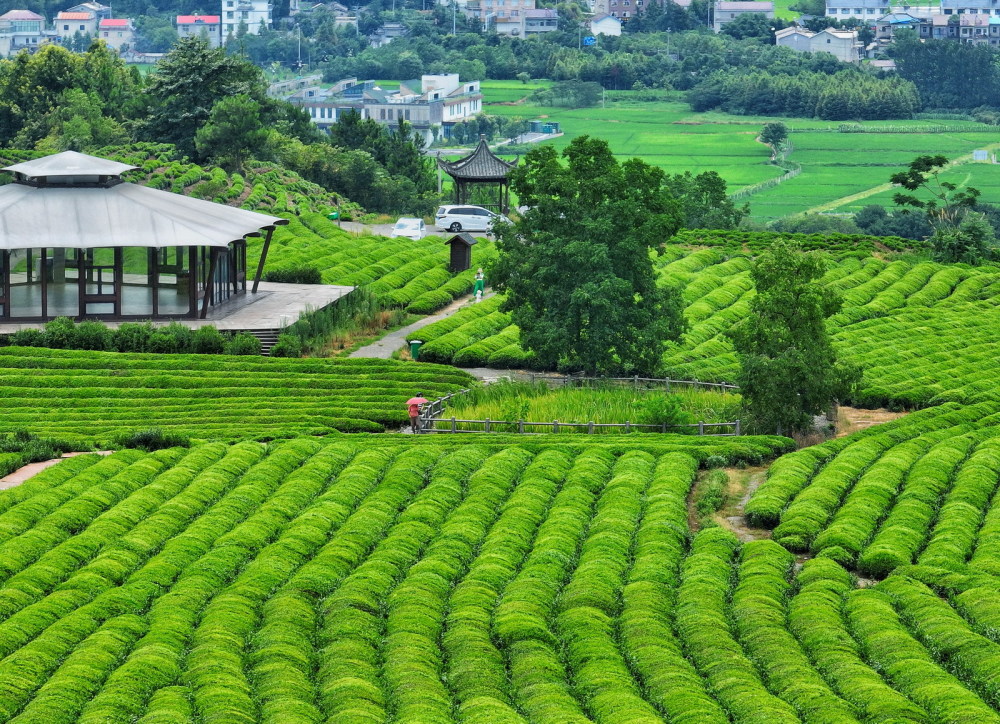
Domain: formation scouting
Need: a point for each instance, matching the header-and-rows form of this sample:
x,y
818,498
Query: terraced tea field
x,y
402,272
96,395
476,580
924,332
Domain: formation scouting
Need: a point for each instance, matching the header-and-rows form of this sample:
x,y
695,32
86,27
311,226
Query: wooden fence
x,y
635,381
451,424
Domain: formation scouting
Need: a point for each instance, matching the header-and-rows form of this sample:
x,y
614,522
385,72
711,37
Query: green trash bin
x,y
333,215
415,348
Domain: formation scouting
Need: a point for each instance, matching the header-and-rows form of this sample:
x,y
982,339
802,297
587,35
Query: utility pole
x,y
454,15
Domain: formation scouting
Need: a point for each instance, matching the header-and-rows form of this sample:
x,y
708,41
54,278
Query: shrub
x,y
162,343
183,336
92,335
132,337
28,338
207,340
150,439
289,345
242,343
303,274
60,333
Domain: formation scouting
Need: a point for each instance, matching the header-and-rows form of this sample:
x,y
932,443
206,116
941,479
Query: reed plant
x,y
536,402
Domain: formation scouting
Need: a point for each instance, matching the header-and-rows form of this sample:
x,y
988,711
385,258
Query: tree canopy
x,y
576,266
789,370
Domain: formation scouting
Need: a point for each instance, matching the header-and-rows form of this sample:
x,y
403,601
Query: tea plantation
x,y
903,321
289,567
98,395
482,580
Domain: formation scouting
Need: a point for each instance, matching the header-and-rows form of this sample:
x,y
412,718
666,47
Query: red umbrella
x,y
416,401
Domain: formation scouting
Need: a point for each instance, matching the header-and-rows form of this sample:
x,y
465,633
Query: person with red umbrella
x,y
413,405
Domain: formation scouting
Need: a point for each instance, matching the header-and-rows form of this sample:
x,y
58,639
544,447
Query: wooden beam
x,y
210,282
263,257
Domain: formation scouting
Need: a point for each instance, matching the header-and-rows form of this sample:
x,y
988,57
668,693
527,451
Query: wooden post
x,y
487,425
737,427
263,257
590,427
555,426
454,427
520,426
210,282
701,427
664,427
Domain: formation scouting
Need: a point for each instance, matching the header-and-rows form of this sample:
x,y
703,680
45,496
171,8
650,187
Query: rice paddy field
x,y
840,170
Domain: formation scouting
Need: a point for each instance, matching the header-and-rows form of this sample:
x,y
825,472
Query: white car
x,y
409,228
466,218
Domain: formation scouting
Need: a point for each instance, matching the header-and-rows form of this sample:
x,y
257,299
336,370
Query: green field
x,y
835,165
98,395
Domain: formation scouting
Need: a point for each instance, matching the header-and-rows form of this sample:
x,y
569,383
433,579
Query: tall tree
x,y
788,368
187,83
704,202
947,205
576,266
232,133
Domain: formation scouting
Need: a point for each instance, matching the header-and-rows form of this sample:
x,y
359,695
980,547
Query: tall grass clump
x,y
509,400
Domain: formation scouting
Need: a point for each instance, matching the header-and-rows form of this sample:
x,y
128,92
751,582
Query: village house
x,y
727,11
200,26
512,17
431,104
67,23
255,14
20,29
859,9
605,24
540,20
117,33
842,44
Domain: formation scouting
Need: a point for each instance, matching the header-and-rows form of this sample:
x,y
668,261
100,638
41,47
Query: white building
x,y
117,32
795,38
726,11
21,29
254,13
505,17
843,44
67,24
434,102
208,27
861,9
605,24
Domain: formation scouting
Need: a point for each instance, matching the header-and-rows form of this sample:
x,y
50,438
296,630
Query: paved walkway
x,y
384,347
31,469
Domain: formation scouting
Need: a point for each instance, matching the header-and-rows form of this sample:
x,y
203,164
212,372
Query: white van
x,y
465,218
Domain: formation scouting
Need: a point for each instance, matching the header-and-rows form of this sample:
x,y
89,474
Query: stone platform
x,y
273,306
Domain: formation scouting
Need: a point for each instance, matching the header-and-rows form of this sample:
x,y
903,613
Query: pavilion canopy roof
x,y
118,214
480,165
